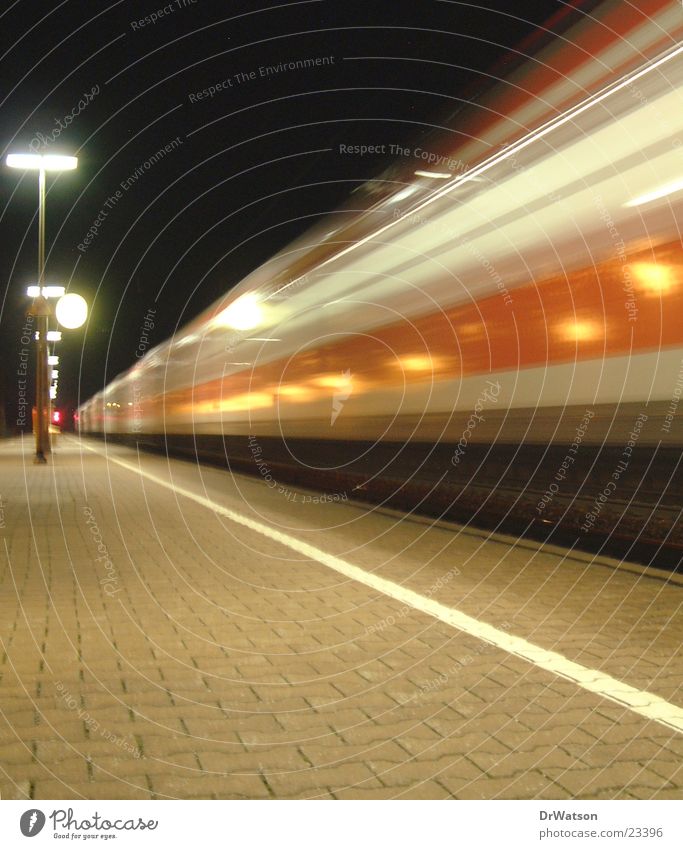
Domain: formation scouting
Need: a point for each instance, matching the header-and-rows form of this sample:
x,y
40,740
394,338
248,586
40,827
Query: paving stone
x,y
530,785
337,778
235,679
617,777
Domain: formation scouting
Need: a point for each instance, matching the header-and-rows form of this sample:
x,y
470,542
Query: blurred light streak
x,y
436,175
417,363
296,393
333,381
512,150
403,194
236,404
655,194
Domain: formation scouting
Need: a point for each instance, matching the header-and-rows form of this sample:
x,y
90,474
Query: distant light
x,y
244,313
56,417
437,175
39,161
53,393
53,360
655,194
54,335
55,374
261,339
71,311
47,291
239,364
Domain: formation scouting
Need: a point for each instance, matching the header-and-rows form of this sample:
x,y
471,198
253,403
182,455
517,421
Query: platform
x,y
175,631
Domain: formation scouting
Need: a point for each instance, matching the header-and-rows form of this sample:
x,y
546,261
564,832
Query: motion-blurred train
x,y
491,331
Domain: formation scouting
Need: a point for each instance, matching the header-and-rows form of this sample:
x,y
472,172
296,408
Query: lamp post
x,y
40,307
71,312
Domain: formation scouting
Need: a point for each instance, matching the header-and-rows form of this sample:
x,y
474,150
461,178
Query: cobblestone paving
x,y
152,649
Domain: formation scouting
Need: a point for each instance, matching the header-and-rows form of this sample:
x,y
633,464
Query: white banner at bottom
x,y
344,825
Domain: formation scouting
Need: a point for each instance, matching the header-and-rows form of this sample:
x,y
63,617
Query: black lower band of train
x,y
600,501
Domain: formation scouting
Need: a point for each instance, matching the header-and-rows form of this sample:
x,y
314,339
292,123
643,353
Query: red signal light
x,y
56,417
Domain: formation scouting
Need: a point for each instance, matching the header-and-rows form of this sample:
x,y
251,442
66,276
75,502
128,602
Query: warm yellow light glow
x,y
248,401
417,362
236,404
656,194
580,331
293,392
245,313
334,381
71,311
654,279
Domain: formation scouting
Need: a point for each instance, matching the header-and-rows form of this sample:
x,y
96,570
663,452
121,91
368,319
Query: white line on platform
x,y
641,702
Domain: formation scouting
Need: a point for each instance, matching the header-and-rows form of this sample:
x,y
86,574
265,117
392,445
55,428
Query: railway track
x,y
638,522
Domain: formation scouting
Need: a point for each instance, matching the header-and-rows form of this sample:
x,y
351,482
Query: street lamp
x,y
71,311
40,309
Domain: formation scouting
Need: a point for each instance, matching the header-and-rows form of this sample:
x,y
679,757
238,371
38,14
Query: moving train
x,y
490,331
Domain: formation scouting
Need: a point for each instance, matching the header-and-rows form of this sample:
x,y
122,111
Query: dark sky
x,y
251,167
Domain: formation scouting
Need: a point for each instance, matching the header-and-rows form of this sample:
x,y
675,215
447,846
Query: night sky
x,y
216,182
